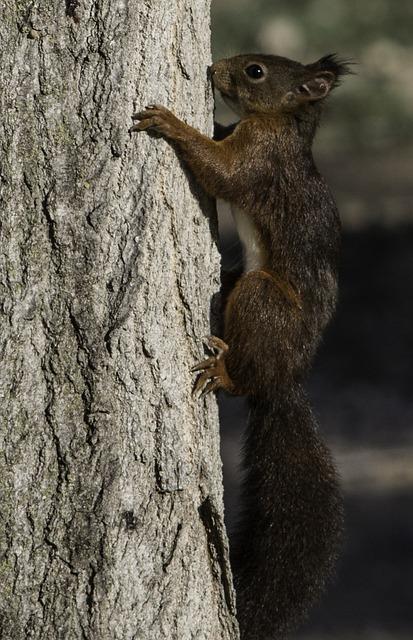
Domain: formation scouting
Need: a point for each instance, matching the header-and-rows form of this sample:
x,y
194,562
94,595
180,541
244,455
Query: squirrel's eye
x,y
254,71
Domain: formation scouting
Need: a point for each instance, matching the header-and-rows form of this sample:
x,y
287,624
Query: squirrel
x,y
291,525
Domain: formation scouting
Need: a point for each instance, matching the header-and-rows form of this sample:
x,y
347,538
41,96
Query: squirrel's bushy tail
x,y
291,520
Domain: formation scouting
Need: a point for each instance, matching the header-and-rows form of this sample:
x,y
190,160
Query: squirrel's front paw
x,y
159,119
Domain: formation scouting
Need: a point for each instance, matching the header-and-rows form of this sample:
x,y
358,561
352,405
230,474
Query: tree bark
x,y
110,474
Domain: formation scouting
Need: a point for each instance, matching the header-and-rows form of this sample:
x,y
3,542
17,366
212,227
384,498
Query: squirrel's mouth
x,y
225,92
232,102
229,95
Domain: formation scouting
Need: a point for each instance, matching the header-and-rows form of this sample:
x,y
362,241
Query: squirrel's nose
x,y
211,70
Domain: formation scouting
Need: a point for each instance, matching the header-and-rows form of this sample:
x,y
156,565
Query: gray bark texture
x,y
110,474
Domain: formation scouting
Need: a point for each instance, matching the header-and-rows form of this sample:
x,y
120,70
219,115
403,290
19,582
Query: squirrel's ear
x,y
332,64
323,76
315,88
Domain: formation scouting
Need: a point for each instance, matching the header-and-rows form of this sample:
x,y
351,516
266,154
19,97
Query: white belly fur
x,y
254,255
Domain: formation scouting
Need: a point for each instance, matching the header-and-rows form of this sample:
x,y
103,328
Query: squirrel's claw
x,y
205,364
213,371
211,386
158,118
202,383
216,345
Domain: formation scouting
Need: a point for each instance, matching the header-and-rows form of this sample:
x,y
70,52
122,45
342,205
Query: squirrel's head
x,y
256,83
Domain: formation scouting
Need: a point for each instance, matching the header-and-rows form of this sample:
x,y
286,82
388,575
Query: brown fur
x,y
274,318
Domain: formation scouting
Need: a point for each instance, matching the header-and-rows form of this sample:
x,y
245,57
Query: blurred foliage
x,y
374,107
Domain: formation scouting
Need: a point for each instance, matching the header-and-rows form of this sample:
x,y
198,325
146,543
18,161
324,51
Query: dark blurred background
x,y
362,379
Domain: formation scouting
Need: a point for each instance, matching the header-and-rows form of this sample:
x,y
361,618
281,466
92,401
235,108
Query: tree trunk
x,y
110,474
